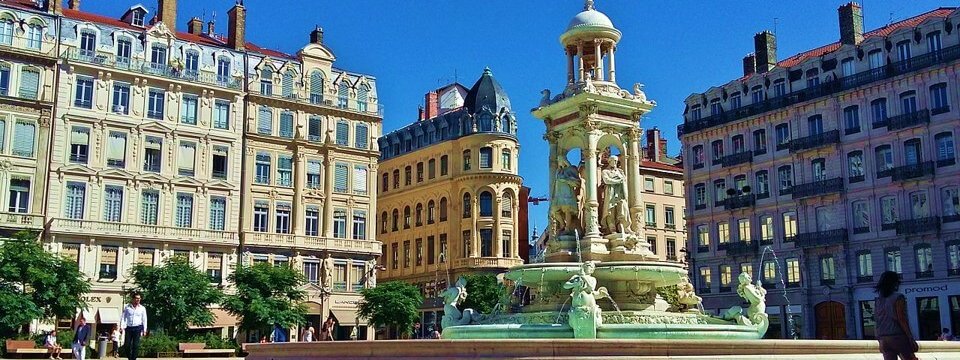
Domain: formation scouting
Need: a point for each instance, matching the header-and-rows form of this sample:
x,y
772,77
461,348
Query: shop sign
x,y
925,289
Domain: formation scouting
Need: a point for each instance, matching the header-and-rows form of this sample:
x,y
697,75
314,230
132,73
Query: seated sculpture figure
x,y
585,314
452,297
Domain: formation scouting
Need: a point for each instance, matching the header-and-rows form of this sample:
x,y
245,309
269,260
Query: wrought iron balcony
x,y
951,218
817,188
822,238
742,201
856,178
736,159
742,248
913,171
814,141
865,279
919,225
924,274
908,120
946,162
105,60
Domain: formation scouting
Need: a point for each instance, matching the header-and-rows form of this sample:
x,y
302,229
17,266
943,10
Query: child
x,y
115,339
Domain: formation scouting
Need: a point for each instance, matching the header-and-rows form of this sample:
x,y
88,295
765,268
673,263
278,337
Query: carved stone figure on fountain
x,y
616,212
452,297
585,315
687,297
566,207
756,314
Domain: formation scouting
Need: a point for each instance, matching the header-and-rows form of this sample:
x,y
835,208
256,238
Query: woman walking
x,y
893,330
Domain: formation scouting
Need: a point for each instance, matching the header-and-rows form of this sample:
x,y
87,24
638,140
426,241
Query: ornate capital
x,y
589,109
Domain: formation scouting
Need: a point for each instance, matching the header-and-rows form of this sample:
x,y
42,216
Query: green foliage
x,y
669,294
391,304
36,284
176,295
153,345
213,340
483,293
265,296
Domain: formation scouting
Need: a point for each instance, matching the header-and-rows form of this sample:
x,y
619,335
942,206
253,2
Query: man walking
x,y
80,337
133,323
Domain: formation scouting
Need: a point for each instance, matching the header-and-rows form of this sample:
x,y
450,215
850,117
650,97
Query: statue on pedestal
x,y
566,207
326,269
616,213
585,315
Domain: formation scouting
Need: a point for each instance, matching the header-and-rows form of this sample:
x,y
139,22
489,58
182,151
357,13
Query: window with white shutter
x,y
313,174
287,84
360,179
29,84
265,121
218,207
73,206
116,149
340,177
23,139
361,136
184,216
186,158
149,202
112,203
316,87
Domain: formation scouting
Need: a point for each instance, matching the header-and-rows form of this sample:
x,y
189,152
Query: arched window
x,y
316,87
396,178
486,158
506,205
266,81
406,217
191,63
443,209
419,214
466,160
396,219
288,78
385,182
486,204
362,95
486,122
505,123
383,222
467,209
431,212
343,92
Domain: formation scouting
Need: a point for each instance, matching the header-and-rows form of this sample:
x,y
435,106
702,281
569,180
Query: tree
x,y
266,296
35,284
176,294
483,293
391,304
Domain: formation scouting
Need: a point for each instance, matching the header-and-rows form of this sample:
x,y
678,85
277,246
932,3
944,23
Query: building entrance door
x,y
831,321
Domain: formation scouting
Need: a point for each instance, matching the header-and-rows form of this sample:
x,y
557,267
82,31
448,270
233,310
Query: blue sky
x,y
674,47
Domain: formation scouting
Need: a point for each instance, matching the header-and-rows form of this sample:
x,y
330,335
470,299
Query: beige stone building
x,y
663,199
450,190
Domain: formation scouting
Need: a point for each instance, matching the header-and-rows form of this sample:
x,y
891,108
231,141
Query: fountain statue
x,y
452,297
584,315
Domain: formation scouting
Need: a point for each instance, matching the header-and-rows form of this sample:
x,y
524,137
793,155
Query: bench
x,y
19,348
199,349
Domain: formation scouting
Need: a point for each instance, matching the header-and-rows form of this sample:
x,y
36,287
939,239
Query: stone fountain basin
x,y
659,273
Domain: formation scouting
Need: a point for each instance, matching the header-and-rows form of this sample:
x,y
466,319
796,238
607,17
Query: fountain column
x,y
598,61
613,64
580,61
633,171
597,245
570,75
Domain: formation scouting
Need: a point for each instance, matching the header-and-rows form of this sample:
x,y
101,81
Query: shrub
x,y
154,344
213,340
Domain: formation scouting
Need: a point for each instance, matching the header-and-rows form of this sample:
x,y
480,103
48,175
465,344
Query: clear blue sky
x,y
674,47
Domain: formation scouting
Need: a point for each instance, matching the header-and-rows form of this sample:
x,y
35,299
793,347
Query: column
x,y
613,65
551,138
570,75
598,61
299,180
328,196
373,179
633,170
495,247
591,204
580,61
474,231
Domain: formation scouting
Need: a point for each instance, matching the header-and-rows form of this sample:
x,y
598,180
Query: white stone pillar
x,y
613,65
570,74
633,170
373,183
591,204
597,61
299,179
495,248
580,69
328,197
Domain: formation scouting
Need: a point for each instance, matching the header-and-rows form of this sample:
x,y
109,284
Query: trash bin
x,y
102,347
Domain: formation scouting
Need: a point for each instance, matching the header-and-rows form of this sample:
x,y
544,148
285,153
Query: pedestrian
x,y
53,347
945,335
416,331
434,333
115,339
133,325
308,335
326,330
892,328
80,337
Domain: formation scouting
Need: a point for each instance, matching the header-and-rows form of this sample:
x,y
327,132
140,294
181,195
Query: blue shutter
x,y
29,84
286,124
3,133
264,121
288,84
314,129
343,133
361,136
23,139
340,177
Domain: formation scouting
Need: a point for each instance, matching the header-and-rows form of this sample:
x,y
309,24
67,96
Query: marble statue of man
x,y
565,204
372,273
327,269
616,213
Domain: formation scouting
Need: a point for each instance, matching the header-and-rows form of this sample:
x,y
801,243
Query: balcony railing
x,y
946,162
742,248
817,188
951,218
919,225
913,171
21,220
924,274
736,159
486,262
140,231
144,67
865,278
821,238
814,141
742,201
311,242
908,120
894,69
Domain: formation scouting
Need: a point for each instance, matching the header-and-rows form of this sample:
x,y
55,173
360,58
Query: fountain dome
x,y
590,24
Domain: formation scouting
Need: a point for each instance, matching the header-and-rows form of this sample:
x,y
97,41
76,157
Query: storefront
x,y
343,309
931,306
786,322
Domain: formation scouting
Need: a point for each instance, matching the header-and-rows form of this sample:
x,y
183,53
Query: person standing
x,y
893,329
52,345
115,339
308,335
133,325
80,337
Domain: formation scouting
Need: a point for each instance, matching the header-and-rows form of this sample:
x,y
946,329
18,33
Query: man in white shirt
x,y
133,323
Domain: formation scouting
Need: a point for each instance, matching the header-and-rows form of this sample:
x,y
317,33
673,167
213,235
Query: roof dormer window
x,y
138,16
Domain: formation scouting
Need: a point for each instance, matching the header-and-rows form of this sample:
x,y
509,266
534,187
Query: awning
x,y
108,316
347,317
221,319
85,313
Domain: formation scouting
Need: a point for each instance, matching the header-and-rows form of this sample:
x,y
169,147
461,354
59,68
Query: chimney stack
x,y
210,31
195,26
654,144
765,48
663,147
167,13
432,105
238,24
420,113
74,4
55,6
316,36
749,64
851,23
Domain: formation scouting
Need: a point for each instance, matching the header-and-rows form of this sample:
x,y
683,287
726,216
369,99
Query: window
x,y
223,70
648,184
946,152
735,100
145,256
953,258
286,84
407,176
284,170
903,51
467,211
950,198
88,44
486,158
789,225
855,164
785,176
912,152
286,124
264,121
266,81
746,268
443,209
703,238
158,58
282,215
819,169
671,249
341,172
219,163
313,174
719,192
340,224
192,64
466,160
262,169
506,206
215,267
780,87
756,94
84,95
406,217
506,159
783,135
73,206
715,107
766,229
700,195
121,98
759,142
651,213
933,42
419,172
851,119
419,215
443,248
431,250
361,136
924,260
743,227
218,211
6,31
184,216
705,280
861,217
79,144
260,216
419,249
112,203
23,138
443,165
726,275
828,270
29,84
108,263
149,205
813,78
919,207
815,125
486,203
4,76
316,87
888,212
717,147
847,66
395,258
769,272
155,104
343,133
884,160
19,195
793,272
723,233
343,91
908,102
406,254
314,131
876,59
312,221
893,260
938,99
864,266
762,183
486,242
124,46
668,187
187,156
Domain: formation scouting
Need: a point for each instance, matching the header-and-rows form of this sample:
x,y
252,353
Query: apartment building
x,y
816,172
663,199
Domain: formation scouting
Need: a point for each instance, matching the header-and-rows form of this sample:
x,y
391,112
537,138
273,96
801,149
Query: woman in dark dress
x,y
893,329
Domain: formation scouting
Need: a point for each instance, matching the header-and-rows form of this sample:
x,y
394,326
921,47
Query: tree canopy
x,y
35,284
265,296
483,293
176,293
391,304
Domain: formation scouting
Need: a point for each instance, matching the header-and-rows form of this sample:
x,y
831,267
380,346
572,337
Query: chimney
x,y
663,147
420,113
55,6
765,47
167,13
432,105
653,144
195,26
749,64
238,24
851,23
74,4
210,31
316,36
